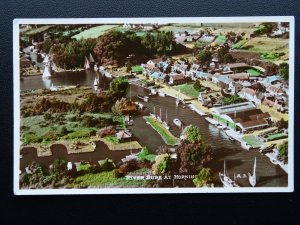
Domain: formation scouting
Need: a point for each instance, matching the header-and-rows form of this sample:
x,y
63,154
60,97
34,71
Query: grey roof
x,y
234,108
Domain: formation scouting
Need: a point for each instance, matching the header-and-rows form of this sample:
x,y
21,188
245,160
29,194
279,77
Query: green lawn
x,y
221,39
254,72
239,44
276,136
94,32
253,141
109,179
166,135
188,89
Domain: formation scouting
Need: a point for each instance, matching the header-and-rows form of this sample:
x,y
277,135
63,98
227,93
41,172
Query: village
x,y
245,98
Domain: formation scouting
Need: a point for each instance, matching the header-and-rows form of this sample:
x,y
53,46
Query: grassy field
x,y
188,89
254,72
253,141
94,32
276,136
114,145
221,39
108,179
239,44
267,45
166,135
274,113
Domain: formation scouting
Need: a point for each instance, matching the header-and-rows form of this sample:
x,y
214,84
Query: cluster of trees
x,y
72,54
264,28
284,70
115,47
92,103
198,86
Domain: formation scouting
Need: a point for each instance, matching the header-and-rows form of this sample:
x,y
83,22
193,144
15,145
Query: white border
x,y
16,71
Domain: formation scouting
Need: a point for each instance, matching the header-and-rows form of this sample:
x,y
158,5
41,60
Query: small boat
x,y
165,123
144,98
177,101
177,122
226,180
252,178
153,91
140,105
96,81
93,144
70,166
161,94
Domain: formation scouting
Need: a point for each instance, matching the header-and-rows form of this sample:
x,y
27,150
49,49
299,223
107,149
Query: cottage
x,y
241,117
177,79
223,81
251,95
203,76
152,63
207,38
275,79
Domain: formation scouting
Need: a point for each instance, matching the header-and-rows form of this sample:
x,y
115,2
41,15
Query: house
x,y
275,79
124,135
207,38
152,63
176,79
160,76
275,90
223,81
280,105
239,76
251,95
234,67
241,117
203,76
234,87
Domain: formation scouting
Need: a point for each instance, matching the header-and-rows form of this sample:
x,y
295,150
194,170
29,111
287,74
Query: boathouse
x,y
242,117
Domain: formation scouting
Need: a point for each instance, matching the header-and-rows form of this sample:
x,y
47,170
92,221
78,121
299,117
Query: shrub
x,y
107,164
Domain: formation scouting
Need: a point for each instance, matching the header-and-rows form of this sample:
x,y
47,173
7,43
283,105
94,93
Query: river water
x,y
238,160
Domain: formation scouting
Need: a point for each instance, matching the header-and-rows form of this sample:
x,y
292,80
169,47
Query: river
x,y
238,160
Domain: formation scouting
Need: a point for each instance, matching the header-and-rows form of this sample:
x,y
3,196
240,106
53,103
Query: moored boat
x,y
252,178
177,122
226,180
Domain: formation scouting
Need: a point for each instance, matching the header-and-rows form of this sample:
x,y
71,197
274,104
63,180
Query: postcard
x,y
153,105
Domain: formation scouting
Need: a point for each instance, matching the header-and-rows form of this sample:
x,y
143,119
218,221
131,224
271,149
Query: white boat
x,y
161,94
153,91
177,101
93,145
144,98
96,81
177,122
252,178
140,105
70,166
226,180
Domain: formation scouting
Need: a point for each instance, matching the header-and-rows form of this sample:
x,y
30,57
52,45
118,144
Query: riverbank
x,y
40,72
122,146
165,134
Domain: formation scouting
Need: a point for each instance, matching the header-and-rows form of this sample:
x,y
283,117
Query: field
x,y
267,45
254,72
94,32
221,39
188,89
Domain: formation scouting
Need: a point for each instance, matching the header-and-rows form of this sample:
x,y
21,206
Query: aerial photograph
x,y
153,105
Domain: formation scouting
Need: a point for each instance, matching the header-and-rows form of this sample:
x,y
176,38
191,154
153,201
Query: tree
x,y
283,151
228,58
204,178
192,156
221,53
204,56
284,70
198,86
282,124
119,87
193,134
162,165
120,106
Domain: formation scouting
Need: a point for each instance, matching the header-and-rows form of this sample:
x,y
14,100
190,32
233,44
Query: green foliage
x,y
72,54
84,167
80,133
204,178
204,56
234,99
198,86
112,139
146,154
284,70
107,164
193,134
119,87
189,89
162,165
283,151
120,106
168,137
